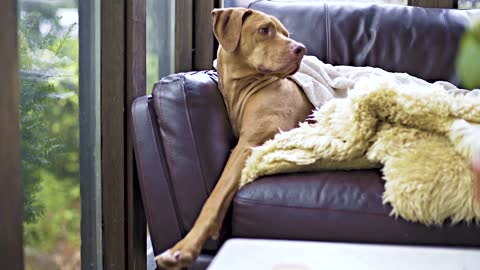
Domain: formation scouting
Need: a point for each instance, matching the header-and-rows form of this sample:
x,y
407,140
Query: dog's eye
x,y
264,30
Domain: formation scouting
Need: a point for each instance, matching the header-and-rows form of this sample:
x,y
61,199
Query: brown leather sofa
x,y
183,137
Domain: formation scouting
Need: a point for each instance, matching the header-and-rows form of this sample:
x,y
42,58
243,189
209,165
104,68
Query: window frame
x,y
123,64
434,3
90,133
11,187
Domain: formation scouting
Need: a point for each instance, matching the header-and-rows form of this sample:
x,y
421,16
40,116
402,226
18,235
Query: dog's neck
x,y
238,82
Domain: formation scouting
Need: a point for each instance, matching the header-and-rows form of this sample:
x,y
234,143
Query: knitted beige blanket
x,y
422,135
322,82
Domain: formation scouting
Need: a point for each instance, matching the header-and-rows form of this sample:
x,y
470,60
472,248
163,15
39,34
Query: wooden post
x,y
183,35
123,79
204,53
11,194
135,87
89,125
113,126
433,3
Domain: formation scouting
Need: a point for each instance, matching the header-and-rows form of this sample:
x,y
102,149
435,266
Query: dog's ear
x,y
227,26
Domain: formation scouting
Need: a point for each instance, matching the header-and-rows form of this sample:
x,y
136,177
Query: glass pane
x,y
397,2
160,40
468,4
48,45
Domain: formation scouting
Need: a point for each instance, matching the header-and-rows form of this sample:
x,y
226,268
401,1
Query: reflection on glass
x,y
468,4
48,46
160,40
396,2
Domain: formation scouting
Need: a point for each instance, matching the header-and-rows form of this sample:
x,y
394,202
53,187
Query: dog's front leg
x,y
211,217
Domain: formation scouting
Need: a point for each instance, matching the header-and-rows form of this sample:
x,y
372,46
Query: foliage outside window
x,y
48,50
467,4
468,62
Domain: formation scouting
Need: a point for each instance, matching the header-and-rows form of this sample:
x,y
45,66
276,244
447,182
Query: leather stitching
x,y
140,163
169,179
149,126
194,140
245,201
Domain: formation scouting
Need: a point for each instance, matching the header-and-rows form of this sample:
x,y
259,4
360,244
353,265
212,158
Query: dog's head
x,y
259,40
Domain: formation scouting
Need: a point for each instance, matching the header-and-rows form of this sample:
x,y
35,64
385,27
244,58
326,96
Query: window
x,y
397,2
48,45
160,40
467,4
60,133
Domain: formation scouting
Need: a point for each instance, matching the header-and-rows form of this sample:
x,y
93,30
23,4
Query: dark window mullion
x,y
11,194
433,3
113,133
184,35
203,34
135,87
89,125
122,79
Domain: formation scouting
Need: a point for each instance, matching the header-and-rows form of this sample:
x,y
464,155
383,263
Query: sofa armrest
x,y
182,139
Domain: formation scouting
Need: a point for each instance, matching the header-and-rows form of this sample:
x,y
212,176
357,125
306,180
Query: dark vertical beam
x,y
123,78
11,195
135,87
204,38
89,119
113,124
183,35
433,3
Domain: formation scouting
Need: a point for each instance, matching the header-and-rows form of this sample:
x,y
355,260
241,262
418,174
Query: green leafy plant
x,y
49,108
468,60
49,117
38,147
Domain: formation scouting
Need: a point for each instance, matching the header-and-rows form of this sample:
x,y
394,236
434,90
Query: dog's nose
x,y
298,48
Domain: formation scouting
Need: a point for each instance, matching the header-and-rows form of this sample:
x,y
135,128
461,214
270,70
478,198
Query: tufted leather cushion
x,y
332,206
195,134
419,41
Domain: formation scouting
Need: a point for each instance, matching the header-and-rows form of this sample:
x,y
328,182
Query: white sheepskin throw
x,y
420,135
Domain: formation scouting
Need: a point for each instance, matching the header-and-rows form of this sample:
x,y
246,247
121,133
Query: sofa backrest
x,y
420,41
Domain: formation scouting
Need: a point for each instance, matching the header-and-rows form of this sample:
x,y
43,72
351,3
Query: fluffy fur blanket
x,y
422,135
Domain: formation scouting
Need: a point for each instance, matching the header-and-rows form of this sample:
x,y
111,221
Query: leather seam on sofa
x,y
194,138
246,201
167,172
140,164
253,2
146,146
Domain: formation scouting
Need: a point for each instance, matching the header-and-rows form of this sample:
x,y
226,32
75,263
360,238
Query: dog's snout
x,y
298,48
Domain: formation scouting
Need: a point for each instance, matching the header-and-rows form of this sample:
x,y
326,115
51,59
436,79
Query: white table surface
x,y
242,254
151,264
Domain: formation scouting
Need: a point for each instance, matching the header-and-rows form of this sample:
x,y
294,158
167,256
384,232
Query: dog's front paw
x,y
168,260
181,255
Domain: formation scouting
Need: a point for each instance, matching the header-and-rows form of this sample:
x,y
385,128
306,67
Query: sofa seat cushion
x,y
333,206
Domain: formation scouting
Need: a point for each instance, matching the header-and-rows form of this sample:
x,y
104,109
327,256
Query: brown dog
x,y
254,59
